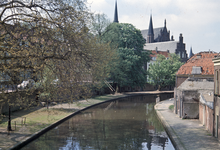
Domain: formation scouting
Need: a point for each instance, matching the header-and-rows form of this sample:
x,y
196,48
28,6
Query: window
x,y
153,58
183,55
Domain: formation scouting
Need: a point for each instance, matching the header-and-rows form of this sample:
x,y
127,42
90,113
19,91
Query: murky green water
x,y
126,124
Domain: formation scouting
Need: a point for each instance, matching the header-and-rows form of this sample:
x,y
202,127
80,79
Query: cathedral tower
x,y
116,13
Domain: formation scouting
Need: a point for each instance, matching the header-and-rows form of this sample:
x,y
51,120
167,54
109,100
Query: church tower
x,y
116,13
150,35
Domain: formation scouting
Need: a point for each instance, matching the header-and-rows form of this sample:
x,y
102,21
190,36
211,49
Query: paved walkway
x,y
186,134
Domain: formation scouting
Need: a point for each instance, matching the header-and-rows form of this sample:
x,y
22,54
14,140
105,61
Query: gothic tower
x,y
150,35
116,13
165,35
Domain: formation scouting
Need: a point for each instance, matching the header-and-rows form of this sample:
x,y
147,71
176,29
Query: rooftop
x,y
156,32
203,60
155,53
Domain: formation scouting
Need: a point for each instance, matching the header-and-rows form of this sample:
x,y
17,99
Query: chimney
x,y
172,38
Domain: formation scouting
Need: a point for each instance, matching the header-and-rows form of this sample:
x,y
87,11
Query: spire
x,y
116,13
190,53
151,29
165,23
150,35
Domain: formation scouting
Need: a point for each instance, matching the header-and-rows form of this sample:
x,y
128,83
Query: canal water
x,y
125,124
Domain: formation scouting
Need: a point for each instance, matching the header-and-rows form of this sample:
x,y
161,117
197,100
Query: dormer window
x,y
196,70
199,56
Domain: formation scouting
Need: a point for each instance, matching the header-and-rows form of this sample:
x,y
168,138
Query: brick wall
x,y
206,120
180,80
209,119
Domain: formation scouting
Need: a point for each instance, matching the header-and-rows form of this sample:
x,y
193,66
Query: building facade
x,y
159,38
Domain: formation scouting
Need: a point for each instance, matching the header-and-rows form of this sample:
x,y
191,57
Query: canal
x,y
125,124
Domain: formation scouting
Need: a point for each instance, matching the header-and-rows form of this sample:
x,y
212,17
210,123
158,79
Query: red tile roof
x,y
155,53
202,59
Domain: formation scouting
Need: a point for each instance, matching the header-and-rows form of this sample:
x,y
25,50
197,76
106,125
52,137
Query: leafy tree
x,y
162,73
127,68
49,41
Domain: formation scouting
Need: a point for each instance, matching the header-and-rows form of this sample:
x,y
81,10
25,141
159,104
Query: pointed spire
x,y
151,29
116,13
150,35
165,23
190,53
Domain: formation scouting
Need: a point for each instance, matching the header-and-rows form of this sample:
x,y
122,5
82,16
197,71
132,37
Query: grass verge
x,y
171,107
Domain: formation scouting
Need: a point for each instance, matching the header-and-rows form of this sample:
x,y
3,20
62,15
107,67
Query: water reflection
x,y
129,123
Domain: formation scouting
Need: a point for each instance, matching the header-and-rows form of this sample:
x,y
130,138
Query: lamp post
x,y
9,119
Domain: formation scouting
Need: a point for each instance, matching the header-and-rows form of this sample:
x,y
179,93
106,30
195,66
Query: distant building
x,y
159,38
154,55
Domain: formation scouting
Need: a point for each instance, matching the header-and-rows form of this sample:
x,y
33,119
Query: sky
x,y
197,20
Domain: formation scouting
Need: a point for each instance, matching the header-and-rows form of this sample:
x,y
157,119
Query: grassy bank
x,y
36,118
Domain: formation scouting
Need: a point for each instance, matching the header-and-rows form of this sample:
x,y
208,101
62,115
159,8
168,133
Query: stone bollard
x,y
158,99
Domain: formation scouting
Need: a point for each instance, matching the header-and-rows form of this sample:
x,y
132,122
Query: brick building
x,y
194,89
199,65
154,55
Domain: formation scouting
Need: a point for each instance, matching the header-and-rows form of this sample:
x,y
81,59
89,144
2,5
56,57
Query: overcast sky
x,y
197,20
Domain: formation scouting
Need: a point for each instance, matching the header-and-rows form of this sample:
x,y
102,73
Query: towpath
x,y
186,134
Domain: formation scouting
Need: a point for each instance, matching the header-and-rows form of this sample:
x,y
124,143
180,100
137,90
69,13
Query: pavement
x,y
185,134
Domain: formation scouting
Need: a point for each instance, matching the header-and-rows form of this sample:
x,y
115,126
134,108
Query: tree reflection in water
x,y
128,123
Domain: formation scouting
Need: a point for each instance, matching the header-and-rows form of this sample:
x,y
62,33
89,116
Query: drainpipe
x,y
181,107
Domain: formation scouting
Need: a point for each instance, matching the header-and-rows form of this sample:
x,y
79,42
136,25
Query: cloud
x,y
97,5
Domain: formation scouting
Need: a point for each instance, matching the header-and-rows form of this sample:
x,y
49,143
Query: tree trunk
x,y
116,91
159,88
